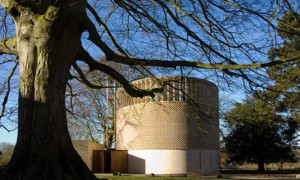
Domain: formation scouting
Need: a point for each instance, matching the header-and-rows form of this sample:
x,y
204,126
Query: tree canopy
x,y
265,128
284,93
257,134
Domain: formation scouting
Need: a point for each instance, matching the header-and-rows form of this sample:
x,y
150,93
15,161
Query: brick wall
x,y
185,116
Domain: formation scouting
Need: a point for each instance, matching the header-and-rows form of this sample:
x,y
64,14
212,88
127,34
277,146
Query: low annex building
x,y
177,132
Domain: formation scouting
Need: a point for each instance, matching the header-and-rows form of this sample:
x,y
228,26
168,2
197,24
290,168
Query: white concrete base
x,y
198,161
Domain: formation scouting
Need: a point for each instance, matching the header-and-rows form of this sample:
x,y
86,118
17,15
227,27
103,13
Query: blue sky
x,y
10,137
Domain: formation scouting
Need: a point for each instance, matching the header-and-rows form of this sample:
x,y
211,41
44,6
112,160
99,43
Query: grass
x,y
148,177
269,172
225,173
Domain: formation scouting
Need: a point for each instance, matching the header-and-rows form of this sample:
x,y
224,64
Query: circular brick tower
x,y
177,132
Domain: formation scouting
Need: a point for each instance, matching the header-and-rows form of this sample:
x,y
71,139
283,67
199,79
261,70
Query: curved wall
x,y
191,90
194,161
166,125
157,161
176,125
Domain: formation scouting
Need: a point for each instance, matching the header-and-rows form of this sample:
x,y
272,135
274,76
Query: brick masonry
x,y
185,116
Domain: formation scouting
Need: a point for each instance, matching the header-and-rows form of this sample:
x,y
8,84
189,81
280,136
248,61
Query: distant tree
x,y
264,129
285,92
6,151
86,113
86,105
256,134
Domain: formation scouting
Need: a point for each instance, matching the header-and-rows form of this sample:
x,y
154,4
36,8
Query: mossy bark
x,y
46,47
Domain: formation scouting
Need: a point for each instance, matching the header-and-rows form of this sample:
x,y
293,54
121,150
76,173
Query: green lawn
x,y
125,177
228,173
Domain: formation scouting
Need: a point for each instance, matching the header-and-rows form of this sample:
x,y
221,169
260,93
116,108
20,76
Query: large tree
x,y
256,134
264,128
285,92
50,36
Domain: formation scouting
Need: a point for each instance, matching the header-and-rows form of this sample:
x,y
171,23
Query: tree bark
x,y
46,47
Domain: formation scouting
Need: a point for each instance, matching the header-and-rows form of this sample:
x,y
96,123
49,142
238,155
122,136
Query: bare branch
x,y
71,99
110,55
8,130
83,78
112,39
5,99
131,90
8,46
196,64
95,38
224,63
6,61
260,16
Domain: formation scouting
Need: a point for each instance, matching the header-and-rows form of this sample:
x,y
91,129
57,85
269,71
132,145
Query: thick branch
x,y
95,38
5,3
83,78
8,46
229,64
196,64
110,55
131,90
111,37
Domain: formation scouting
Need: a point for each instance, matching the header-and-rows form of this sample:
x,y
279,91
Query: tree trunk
x,y
47,46
261,165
